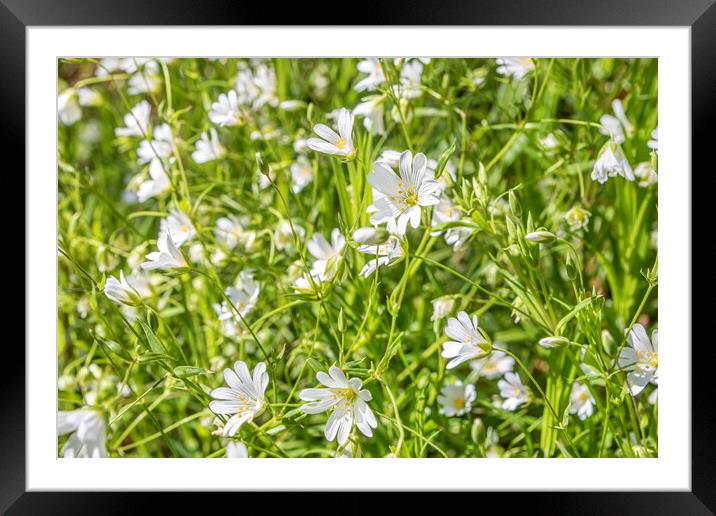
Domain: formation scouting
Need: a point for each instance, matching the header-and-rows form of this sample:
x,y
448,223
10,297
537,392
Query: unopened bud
x,y
553,342
540,236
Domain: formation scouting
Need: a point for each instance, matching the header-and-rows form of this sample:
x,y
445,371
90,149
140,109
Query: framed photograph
x,y
433,254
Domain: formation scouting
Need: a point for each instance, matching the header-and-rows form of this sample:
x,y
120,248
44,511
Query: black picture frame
x,y
700,15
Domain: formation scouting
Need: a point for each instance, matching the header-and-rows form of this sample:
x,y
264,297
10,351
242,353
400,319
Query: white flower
x,y
243,295
243,398
158,183
121,291
654,142
387,253
265,82
444,213
328,256
516,67
292,105
467,340
230,232
493,365
236,450
257,88
68,110
161,146
549,142
442,307
616,126
225,111
88,438
375,78
456,399
580,401
146,81
641,359
646,174
457,236
179,227
372,109
88,97
410,78
577,218
136,121
339,144
347,400
401,197
301,174
513,392
371,235
611,162
168,256
284,236
208,148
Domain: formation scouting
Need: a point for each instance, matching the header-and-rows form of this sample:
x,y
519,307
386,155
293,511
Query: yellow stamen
x,y
341,143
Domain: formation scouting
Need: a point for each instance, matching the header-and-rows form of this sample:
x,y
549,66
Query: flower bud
x,y
540,236
370,235
263,167
553,342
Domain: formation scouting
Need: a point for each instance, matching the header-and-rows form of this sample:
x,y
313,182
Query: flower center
x,y
341,143
184,228
459,403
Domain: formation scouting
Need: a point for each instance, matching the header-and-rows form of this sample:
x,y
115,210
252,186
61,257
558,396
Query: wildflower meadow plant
x,y
364,257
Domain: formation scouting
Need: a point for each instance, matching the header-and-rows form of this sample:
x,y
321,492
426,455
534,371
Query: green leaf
x,y
187,371
154,344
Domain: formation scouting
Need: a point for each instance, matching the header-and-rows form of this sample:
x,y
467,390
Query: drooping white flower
x,y
387,253
347,400
646,174
553,342
375,78
226,110
243,398
208,148
616,126
540,236
243,295
516,67
88,439
401,197
442,307
513,392
456,399
493,365
581,401
168,256
372,108
640,357
157,183
330,142
327,255
301,174
136,121
179,227
611,162
230,232
577,218
236,450
68,109
467,342
161,146
121,291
